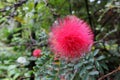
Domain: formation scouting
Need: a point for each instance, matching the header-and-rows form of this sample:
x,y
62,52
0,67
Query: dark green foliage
x,y
25,26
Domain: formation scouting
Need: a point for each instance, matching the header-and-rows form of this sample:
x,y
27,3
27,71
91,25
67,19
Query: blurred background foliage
x,y
25,25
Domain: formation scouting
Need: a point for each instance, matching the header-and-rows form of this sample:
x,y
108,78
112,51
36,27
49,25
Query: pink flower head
x,y
37,53
70,38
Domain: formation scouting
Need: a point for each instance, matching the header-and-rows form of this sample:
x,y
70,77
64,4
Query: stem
x,y
70,6
74,75
87,8
101,78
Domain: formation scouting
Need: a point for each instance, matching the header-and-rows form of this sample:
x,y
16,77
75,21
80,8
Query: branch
x,y
106,35
101,78
14,6
70,6
22,78
87,8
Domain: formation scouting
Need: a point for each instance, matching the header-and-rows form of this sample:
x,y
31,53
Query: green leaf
x,y
93,73
89,67
85,76
96,52
78,65
82,71
98,66
16,76
104,66
100,57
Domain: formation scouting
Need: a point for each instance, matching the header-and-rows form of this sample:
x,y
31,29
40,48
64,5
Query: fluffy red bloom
x,y
70,38
37,53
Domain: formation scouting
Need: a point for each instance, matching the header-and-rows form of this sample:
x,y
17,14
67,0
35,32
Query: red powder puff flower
x,y
70,38
37,53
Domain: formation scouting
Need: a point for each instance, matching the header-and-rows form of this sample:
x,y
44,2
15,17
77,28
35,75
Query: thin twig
x,y
87,8
74,75
23,78
101,78
70,6
14,7
106,35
